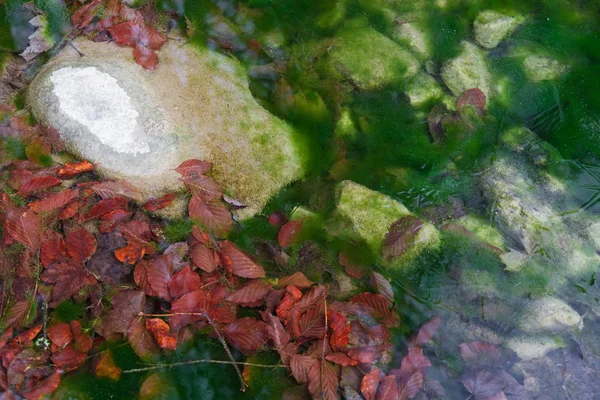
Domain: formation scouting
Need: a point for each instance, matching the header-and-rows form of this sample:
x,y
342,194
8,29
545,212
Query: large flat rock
x,y
139,125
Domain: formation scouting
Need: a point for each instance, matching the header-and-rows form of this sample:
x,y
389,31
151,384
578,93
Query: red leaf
x,y
401,236
289,232
382,286
340,329
311,324
130,254
474,97
44,387
119,189
366,354
277,219
68,278
298,279
140,339
60,334
196,302
140,276
70,170
126,305
414,361
300,367
53,202
145,57
239,262
151,38
159,275
480,353
17,313
125,33
25,227
277,332
247,334
412,386
388,389
196,166
215,217
53,249
136,232
204,258
323,384
202,186
71,209
341,359
68,358
161,333
426,332
160,203
377,303
313,297
105,206
354,270
111,219
184,282
19,177
81,245
84,14
252,292
370,383
38,183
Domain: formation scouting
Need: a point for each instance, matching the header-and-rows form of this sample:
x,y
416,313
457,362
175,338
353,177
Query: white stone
x,y
467,71
540,68
550,314
491,27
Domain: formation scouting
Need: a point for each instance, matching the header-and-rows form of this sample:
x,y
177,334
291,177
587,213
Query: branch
x,y
204,361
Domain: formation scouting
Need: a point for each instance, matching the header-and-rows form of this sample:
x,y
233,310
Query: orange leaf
x,y
145,57
340,329
160,203
130,254
53,202
70,170
107,368
341,359
161,333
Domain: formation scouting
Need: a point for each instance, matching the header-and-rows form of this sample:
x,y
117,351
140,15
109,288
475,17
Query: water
x,y
533,195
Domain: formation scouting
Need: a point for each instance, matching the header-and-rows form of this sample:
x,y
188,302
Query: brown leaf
x,y
107,368
81,245
414,361
474,97
213,216
354,270
388,389
195,166
54,202
382,286
69,170
44,387
119,189
370,383
311,324
410,389
341,359
130,254
161,333
247,334
204,258
105,206
426,332
480,353
140,339
401,236
183,282
202,186
38,183
138,232
196,302
159,275
84,14
340,329
60,334
68,358
68,278
112,219
300,366
324,384
71,209
17,313
298,279
126,305
239,262
25,227
18,177
160,203
140,276
366,354
145,57
289,232
252,292
277,332
53,249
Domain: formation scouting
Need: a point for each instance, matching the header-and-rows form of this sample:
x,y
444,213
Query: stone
x,y
540,68
467,71
530,347
491,27
139,125
550,314
413,38
369,59
423,89
364,215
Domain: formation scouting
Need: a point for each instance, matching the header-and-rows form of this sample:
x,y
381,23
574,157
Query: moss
x,y
68,311
267,383
178,230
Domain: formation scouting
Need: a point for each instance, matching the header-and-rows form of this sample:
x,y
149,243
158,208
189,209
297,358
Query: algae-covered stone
x,y
346,128
550,314
534,346
369,59
482,229
422,89
491,27
364,215
413,38
139,125
467,71
540,68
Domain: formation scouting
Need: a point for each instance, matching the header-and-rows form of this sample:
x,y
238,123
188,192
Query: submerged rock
x,y
139,125
365,216
491,27
369,59
414,38
423,89
540,68
467,71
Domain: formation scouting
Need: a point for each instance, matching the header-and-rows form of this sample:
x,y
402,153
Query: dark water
x,y
524,178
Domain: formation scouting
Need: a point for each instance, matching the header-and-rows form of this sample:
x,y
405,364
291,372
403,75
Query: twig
x,y
324,347
219,336
190,362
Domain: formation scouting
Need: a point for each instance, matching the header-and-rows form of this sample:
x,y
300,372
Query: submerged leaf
x,y
240,263
401,236
68,278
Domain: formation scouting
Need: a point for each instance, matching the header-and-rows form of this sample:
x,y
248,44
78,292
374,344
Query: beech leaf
x,y
474,97
68,278
277,332
160,203
105,206
25,227
324,384
426,332
240,263
126,305
145,57
183,282
388,389
117,189
196,302
300,366
370,383
195,166
161,333
69,170
38,183
54,202
298,279
412,386
202,186
401,236
247,334
252,292
81,245
213,216
204,258
341,359
289,232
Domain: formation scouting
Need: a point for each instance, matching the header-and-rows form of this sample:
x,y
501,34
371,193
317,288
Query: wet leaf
x,y
25,227
426,332
81,245
193,166
204,258
112,219
70,170
382,286
125,33
412,386
105,206
213,216
324,384
53,249
481,353
414,361
240,263
370,383
118,189
277,332
160,203
130,254
377,303
196,302
126,305
202,186
145,57
84,14
435,120
140,339
311,324
107,368
68,358
17,313
388,389
289,232
354,270
340,329
300,366
474,97
38,183
44,387
298,279
151,38
366,354
140,276
247,334
60,334
252,292
482,383
161,333
184,282
68,278
341,359
53,202
401,236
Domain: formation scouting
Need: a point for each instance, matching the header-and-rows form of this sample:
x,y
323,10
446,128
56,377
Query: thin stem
x,y
204,361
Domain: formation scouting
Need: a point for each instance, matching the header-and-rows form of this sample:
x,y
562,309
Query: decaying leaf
x,y
401,236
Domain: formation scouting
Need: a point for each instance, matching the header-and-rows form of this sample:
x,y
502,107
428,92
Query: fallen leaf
x,y
159,275
107,368
323,384
68,278
60,334
118,189
387,389
277,332
54,202
204,258
401,236
370,383
193,166
145,57
25,227
354,270
183,282
81,245
474,97
213,216
340,330
53,249
426,332
202,186
410,389
252,292
84,14
38,183
140,339
382,286
247,334
414,361
161,333
126,305
300,366
70,170
160,203
189,308
341,359
240,263
44,387
482,383
298,279
289,232
105,206
480,353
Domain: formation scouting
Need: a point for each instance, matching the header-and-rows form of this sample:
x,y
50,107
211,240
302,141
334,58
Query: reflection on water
x,y
514,193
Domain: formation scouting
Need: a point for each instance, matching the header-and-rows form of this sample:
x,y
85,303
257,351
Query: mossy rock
x,y
467,71
491,27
